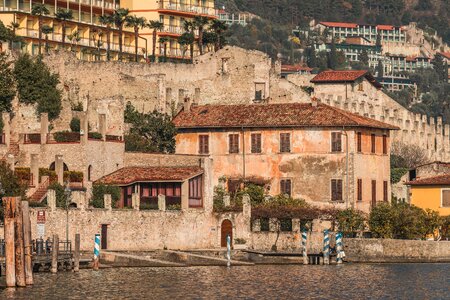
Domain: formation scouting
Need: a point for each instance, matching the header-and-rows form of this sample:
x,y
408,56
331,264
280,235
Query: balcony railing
x,y
194,9
174,52
32,138
175,30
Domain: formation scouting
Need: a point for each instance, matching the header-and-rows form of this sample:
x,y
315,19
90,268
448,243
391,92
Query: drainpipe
x,y
243,153
347,184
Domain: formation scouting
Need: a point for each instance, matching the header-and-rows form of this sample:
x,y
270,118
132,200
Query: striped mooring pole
x,y
339,249
304,253
228,251
96,251
326,247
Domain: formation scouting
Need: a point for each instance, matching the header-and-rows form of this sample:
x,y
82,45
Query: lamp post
x,y
67,193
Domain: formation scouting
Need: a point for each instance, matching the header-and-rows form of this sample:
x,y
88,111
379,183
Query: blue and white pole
x,y
339,248
304,239
96,251
228,250
326,247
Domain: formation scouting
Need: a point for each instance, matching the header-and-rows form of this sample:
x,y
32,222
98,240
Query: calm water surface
x,y
350,281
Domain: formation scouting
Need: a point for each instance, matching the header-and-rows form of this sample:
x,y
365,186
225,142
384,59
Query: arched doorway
x,y
226,229
52,167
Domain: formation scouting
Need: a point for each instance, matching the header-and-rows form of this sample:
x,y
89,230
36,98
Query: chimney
x,y
187,104
314,102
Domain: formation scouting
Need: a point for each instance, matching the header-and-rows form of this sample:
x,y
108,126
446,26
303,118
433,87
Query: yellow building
x,y
173,14
85,35
432,193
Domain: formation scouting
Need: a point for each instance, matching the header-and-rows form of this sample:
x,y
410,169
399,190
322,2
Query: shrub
x,y
60,194
11,185
350,221
77,106
24,174
53,177
66,137
397,174
73,176
98,192
7,89
95,135
256,193
174,207
75,125
445,227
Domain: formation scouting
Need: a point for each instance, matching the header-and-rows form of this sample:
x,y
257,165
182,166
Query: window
x,y
256,142
384,144
445,202
233,143
336,142
285,187
260,91
264,224
285,224
361,87
385,191
373,142
203,144
196,191
359,190
374,193
285,142
336,190
359,142
90,173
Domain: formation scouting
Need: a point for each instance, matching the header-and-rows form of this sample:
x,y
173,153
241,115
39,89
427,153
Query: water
x,y
349,281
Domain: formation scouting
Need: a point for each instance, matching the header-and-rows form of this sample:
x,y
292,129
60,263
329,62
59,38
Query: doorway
x,y
226,229
104,240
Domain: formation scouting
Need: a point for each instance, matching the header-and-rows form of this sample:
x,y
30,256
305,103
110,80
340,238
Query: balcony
x,y
174,30
187,9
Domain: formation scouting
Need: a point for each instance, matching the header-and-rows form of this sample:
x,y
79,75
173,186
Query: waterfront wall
x,y
389,250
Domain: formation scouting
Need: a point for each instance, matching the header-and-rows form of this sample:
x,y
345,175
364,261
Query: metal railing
x,y
194,9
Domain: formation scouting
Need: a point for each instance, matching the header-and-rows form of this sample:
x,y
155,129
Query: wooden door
x,y
104,240
226,229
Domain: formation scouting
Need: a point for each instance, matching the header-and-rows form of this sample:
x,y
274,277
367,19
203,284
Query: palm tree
x,y
137,23
40,10
107,20
97,42
163,40
156,26
119,18
218,27
64,15
74,37
200,22
189,28
46,30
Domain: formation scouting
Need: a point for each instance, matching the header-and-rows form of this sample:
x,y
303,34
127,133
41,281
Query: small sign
x,y
41,217
41,230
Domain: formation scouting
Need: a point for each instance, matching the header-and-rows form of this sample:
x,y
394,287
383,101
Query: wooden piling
x,y
9,207
27,243
76,255
19,245
55,250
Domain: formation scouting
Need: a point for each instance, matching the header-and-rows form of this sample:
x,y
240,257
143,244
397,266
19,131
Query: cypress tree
x,y
380,69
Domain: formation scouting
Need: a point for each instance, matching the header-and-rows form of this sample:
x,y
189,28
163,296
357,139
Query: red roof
x,y
295,68
279,115
436,180
445,54
411,58
131,175
385,27
344,76
339,24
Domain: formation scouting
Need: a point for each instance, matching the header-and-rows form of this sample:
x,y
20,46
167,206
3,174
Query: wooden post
x,y
27,243
76,255
18,233
55,249
9,208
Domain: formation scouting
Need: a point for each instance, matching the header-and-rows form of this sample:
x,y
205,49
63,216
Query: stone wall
x,y
388,250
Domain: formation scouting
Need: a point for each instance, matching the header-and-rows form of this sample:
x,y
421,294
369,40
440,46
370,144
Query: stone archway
x,y
226,228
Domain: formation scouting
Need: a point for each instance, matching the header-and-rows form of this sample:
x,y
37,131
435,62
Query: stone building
x,y
311,151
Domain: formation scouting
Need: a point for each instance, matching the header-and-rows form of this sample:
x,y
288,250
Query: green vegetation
x,y
151,132
7,88
75,125
11,185
98,192
73,176
351,221
61,196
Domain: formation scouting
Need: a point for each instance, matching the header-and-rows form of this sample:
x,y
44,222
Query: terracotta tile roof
x,y
345,76
385,27
436,180
445,54
339,24
295,68
131,175
280,115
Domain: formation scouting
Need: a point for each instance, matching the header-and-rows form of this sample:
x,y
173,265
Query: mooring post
x,y
339,251
96,251
326,247
19,245
228,251
304,252
76,254
9,208
27,243
55,250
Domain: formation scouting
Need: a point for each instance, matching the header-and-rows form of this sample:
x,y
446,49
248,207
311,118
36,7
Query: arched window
x,y
90,173
52,167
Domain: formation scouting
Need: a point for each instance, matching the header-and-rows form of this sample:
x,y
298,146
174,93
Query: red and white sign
x,y
41,217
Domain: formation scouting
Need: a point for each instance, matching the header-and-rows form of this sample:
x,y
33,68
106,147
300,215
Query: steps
x,y
13,149
40,193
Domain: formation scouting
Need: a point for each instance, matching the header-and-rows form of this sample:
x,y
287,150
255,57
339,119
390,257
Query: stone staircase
x,y
40,193
13,149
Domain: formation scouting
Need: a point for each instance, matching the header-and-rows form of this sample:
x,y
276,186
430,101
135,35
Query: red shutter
x,y
359,135
385,191
374,192
359,189
384,144
256,143
285,142
336,142
373,142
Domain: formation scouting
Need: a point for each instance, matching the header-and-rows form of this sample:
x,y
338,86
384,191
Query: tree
x,y
200,22
100,190
407,156
380,69
64,15
11,185
186,40
439,67
7,89
13,26
311,58
40,10
137,23
350,221
364,57
219,27
119,18
332,56
163,41
378,42
189,28
74,38
107,21
209,39
152,132
36,84
156,26
46,30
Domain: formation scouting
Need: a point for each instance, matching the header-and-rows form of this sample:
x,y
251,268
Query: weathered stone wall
x,y
388,250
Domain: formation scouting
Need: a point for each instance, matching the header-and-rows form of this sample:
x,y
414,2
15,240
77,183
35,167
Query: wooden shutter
x,y
374,192
285,142
359,141
336,190
336,142
385,191
384,144
373,142
256,142
233,145
285,187
445,198
359,189
203,144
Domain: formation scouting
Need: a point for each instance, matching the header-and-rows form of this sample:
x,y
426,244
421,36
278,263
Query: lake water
x,y
349,281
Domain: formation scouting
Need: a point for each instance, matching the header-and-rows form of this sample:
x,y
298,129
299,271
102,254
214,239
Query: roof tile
x,y
436,180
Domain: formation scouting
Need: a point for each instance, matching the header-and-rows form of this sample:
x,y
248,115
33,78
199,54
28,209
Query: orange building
x,y
312,151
